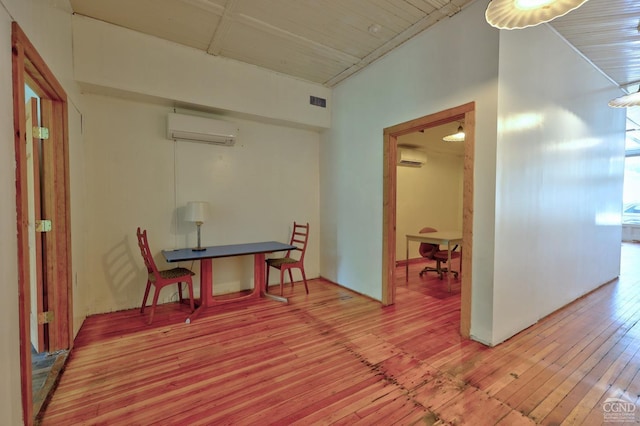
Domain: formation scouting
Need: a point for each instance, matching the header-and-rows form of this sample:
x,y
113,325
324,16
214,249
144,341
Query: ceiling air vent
x,y
314,100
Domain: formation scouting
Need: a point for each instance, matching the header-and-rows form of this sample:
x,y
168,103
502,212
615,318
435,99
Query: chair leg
x,y
144,299
266,280
180,292
191,303
304,278
440,269
156,293
290,276
281,282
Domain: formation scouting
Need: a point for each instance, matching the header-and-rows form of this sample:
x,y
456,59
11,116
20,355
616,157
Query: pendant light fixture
x,y
518,14
632,99
456,137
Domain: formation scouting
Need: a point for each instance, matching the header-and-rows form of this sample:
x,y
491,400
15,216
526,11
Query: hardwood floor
x,y
334,357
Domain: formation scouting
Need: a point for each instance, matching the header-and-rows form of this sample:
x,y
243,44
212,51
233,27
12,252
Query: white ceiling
x,y
326,41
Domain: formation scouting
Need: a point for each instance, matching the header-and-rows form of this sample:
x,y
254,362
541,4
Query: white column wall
x,y
48,27
559,185
137,177
446,66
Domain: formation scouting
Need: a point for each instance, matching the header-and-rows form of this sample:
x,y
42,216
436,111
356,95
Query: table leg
x,y
258,273
449,265
206,282
206,288
406,264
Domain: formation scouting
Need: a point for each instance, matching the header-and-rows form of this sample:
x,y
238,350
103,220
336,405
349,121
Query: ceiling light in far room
x,y
518,14
632,99
374,28
456,137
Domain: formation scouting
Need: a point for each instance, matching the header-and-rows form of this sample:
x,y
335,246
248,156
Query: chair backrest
x,y
426,249
143,243
299,238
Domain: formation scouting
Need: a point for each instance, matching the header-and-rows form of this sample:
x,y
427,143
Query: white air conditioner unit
x,y
200,129
411,157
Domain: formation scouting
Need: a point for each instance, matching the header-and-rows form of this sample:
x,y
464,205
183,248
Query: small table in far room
x,y
441,238
206,256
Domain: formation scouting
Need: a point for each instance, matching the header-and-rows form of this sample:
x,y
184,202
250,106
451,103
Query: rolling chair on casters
x,y
433,252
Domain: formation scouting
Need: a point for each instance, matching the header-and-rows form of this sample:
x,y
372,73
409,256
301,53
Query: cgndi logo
x,y
618,410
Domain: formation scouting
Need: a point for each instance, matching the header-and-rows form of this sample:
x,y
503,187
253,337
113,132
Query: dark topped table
x,y
206,257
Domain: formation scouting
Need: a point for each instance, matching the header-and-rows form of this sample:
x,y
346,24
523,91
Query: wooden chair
x,y
161,278
299,239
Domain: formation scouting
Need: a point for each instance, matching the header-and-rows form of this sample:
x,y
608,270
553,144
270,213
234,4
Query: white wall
x,y
446,66
47,24
10,403
256,189
559,186
430,195
137,177
121,59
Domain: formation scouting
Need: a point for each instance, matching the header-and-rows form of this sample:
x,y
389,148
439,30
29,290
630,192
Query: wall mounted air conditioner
x,y
200,129
411,157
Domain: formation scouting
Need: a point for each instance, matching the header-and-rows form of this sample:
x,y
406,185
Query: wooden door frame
x,y
466,112
28,67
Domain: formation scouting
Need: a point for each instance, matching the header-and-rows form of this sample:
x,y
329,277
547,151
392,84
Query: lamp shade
x,y
632,99
197,211
456,137
518,14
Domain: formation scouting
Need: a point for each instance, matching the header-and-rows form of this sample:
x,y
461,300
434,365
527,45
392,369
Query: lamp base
x,y
198,249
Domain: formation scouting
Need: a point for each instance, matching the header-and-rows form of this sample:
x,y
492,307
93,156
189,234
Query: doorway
x,y
464,113
42,211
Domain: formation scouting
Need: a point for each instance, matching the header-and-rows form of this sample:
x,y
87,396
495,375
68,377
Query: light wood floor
x,y
334,357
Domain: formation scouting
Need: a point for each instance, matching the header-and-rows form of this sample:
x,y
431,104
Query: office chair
x,y
161,278
299,239
433,252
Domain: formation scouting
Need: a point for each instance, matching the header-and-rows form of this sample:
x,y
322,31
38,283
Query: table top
x,y
210,252
439,236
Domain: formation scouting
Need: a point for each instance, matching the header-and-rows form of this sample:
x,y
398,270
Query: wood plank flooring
x,y
334,357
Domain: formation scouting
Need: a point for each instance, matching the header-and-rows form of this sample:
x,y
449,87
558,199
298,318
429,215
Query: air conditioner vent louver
x,y
192,128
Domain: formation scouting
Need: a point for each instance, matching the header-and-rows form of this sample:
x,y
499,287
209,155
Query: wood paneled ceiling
x,y
322,41
326,41
607,32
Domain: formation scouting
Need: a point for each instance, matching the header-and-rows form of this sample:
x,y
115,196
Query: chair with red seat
x,y
299,238
160,278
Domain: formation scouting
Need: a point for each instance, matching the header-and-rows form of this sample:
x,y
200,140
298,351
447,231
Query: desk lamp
x,y
198,212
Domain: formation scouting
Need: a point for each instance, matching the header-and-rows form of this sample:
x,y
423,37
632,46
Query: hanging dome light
x,y
518,14
456,137
632,99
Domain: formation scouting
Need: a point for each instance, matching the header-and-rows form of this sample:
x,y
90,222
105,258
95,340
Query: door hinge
x,y
40,132
45,317
43,225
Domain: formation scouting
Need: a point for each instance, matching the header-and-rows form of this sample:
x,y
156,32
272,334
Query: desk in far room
x,y
447,238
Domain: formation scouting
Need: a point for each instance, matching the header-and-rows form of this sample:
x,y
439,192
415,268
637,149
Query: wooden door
x,y
30,69
38,302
